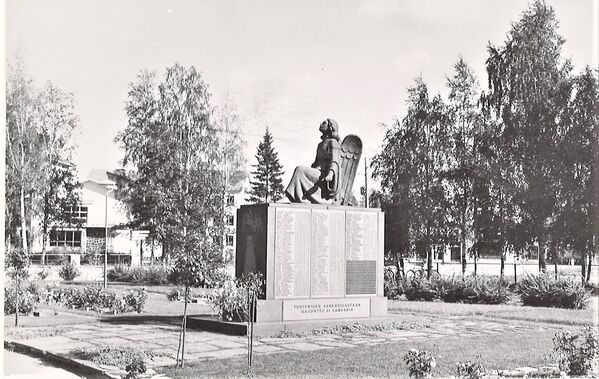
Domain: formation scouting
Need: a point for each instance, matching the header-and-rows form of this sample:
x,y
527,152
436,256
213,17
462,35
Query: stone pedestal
x,y
319,262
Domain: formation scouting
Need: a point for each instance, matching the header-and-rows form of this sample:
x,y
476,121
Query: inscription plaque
x,y
361,278
292,253
327,254
361,235
317,309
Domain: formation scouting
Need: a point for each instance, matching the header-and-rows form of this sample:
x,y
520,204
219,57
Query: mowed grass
x,y
508,312
505,351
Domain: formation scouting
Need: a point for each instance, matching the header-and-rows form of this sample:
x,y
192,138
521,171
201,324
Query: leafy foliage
x,y
28,298
469,290
471,370
114,355
529,89
577,353
68,271
409,167
39,127
473,290
545,291
231,299
96,298
43,273
420,363
266,180
134,368
150,275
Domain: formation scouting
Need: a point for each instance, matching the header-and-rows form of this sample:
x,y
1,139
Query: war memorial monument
x,y
321,256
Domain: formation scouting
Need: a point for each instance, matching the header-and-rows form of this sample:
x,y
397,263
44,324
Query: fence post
x,y
515,277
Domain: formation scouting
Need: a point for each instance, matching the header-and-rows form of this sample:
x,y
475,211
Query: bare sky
x,y
287,64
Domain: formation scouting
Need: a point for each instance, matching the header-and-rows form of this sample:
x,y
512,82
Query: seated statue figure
x,y
330,178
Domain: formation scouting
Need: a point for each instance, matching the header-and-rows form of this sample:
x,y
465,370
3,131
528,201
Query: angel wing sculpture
x,y
351,151
330,178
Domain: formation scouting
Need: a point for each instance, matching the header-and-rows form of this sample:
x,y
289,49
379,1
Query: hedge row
x,y
534,290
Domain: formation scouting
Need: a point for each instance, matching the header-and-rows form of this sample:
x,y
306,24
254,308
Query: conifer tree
x,y
267,185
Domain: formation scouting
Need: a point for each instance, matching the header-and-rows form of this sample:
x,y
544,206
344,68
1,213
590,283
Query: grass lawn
x,y
509,312
506,351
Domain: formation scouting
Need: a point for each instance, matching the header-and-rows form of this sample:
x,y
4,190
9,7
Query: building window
x,y
230,220
70,238
229,240
230,200
78,213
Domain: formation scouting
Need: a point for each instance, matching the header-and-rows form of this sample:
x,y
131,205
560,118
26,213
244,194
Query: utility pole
x,y
365,182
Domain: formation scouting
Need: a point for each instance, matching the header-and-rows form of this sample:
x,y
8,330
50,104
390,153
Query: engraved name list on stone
x,y
327,253
292,253
361,235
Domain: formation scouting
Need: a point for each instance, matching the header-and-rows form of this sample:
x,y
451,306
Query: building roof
x,y
100,176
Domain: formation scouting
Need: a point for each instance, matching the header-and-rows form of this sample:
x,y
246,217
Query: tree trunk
x,y
23,221
584,267
589,268
44,242
401,267
502,263
463,258
429,262
17,298
555,262
181,348
152,252
542,256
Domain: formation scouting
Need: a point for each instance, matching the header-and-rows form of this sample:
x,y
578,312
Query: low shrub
x,y
68,271
419,289
472,290
545,291
43,273
576,353
178,294
97,299
27,300
420,363
118,273
151,275
114,355
135,300
471,370
231,299
135,368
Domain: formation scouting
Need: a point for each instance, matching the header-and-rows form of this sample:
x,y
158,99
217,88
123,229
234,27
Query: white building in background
x,y
233,201
99,211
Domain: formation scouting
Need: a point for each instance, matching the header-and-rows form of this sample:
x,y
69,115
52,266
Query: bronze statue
x,y
330,178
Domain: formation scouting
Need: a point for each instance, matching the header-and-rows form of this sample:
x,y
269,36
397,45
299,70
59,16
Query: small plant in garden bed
x,y
178,294
545,291
231,299
471,370
135,300
577,353
115,355
68,271
43,273
135,368
96,298
420,363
